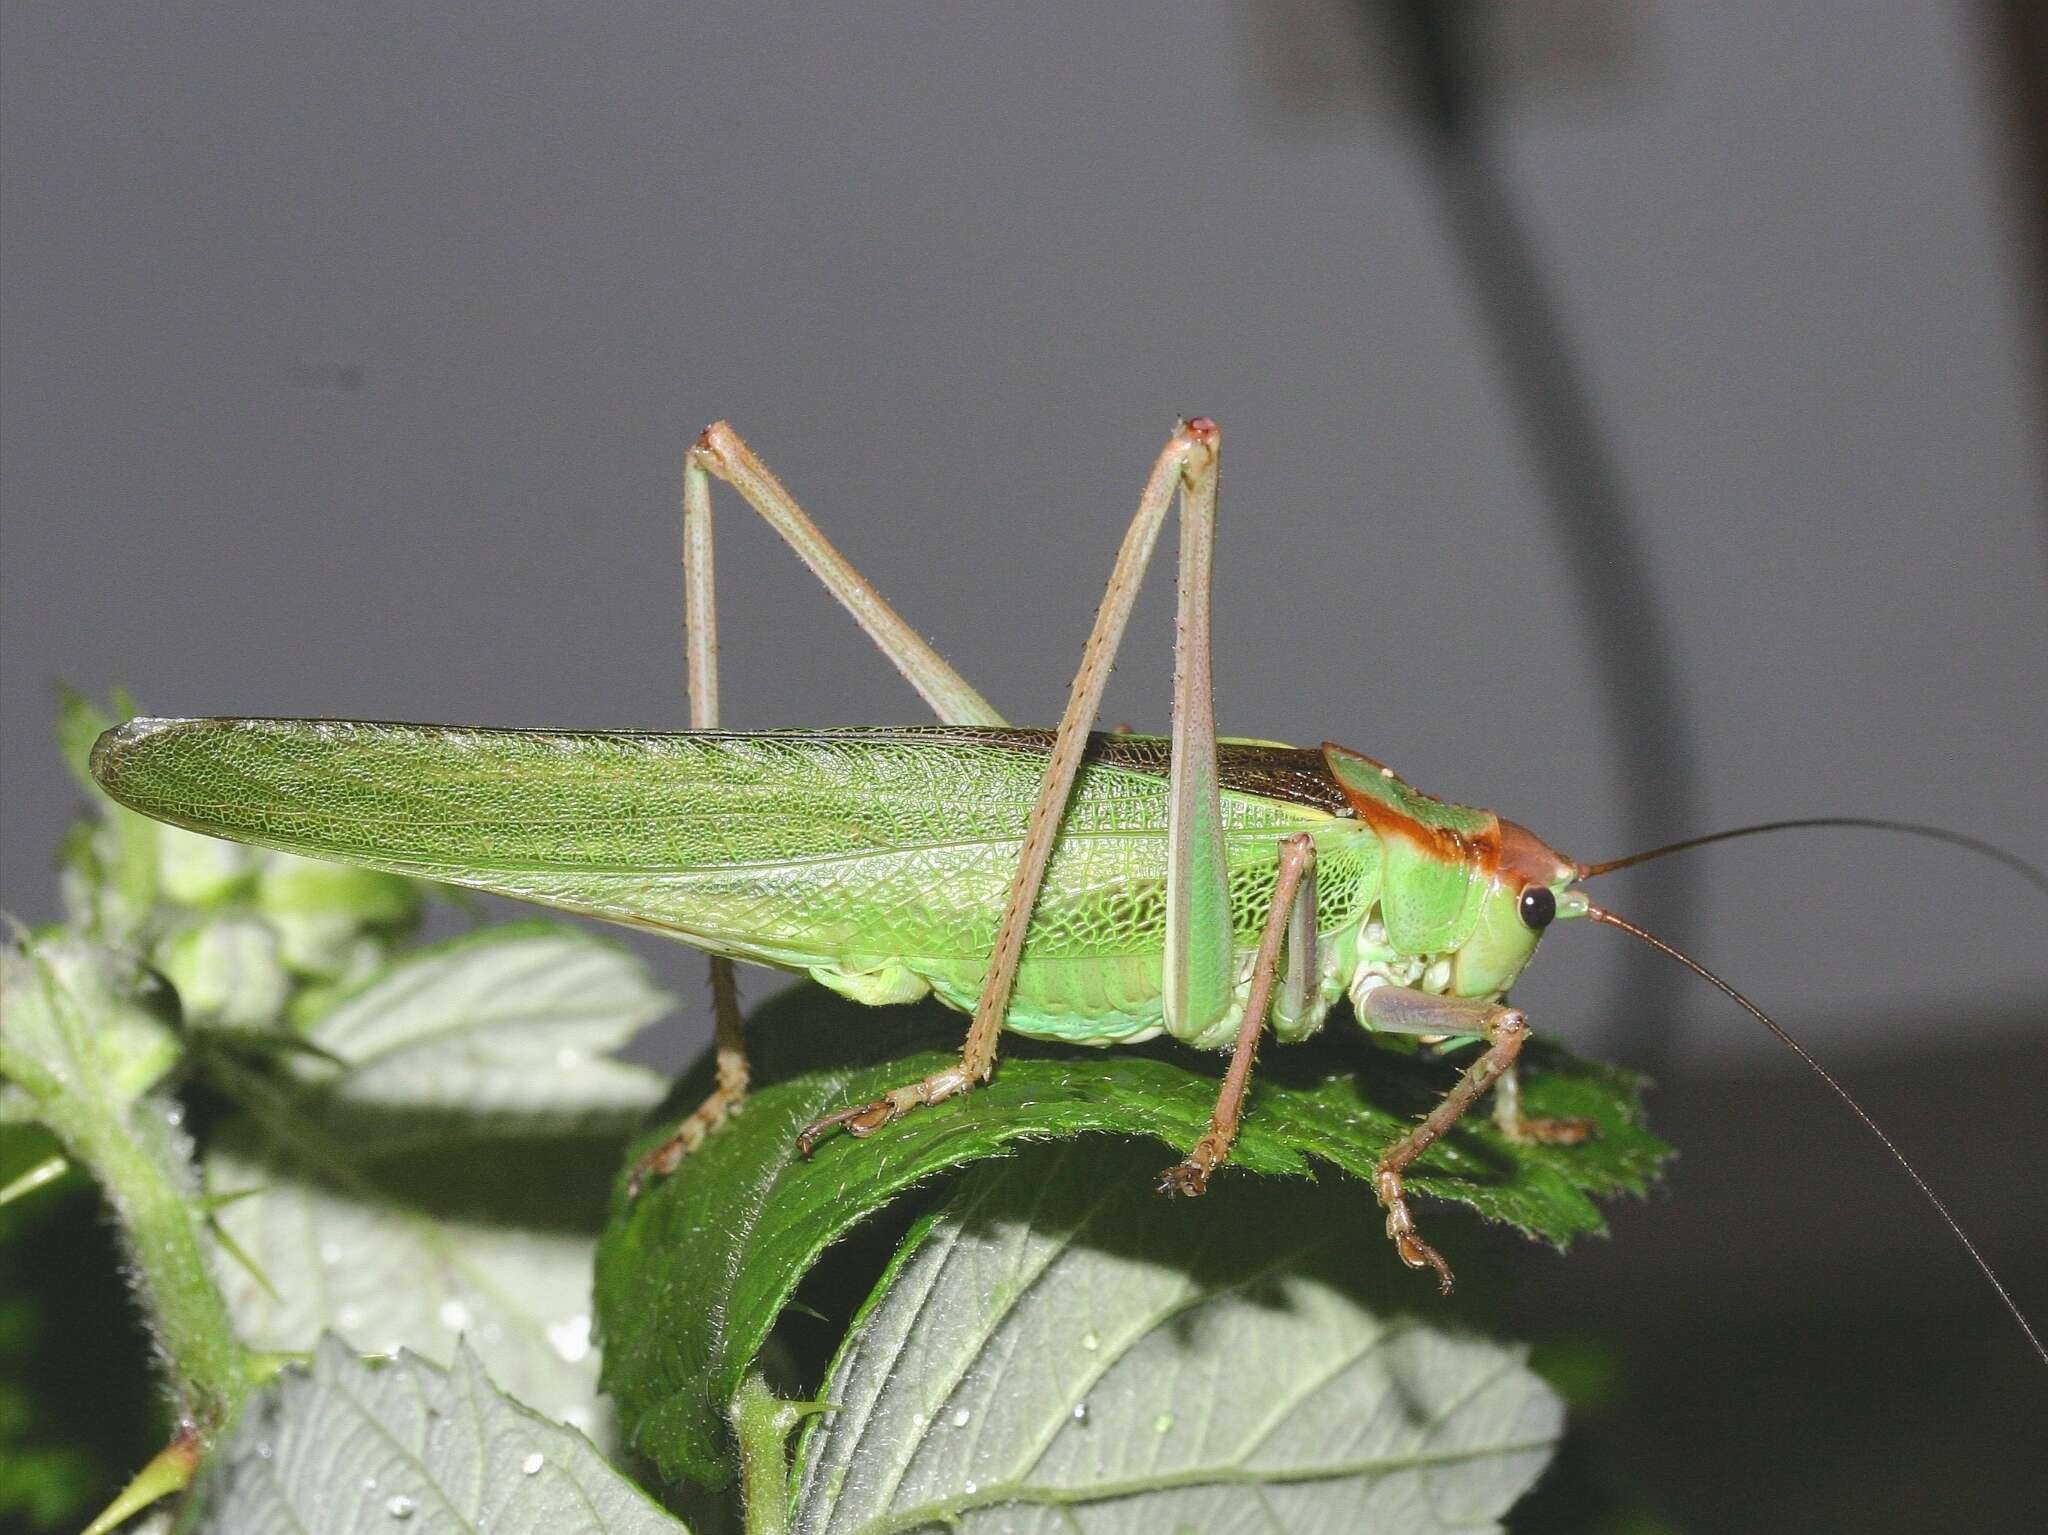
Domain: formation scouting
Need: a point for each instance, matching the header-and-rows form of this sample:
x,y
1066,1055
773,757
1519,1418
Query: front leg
x,y
1402,1010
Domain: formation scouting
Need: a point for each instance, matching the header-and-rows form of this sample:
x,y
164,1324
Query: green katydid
x,y
1097,889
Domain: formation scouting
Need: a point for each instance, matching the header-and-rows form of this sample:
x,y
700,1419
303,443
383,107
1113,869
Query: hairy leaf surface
x,y
509,1029
692,1276
396,1200
1058,1351
350,1447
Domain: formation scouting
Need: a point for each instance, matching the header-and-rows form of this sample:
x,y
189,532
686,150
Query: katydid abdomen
x,y
875,860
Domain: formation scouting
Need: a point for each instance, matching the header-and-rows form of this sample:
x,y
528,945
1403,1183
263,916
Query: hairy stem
x,y
137,1153
139,1161
761,1422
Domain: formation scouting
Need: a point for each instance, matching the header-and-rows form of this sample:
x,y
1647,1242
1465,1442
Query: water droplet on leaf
x,y
570,1338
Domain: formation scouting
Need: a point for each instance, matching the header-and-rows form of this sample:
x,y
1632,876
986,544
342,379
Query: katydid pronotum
x,y
1092,888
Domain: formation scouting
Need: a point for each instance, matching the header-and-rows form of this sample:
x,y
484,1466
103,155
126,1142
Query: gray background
x,y
348,365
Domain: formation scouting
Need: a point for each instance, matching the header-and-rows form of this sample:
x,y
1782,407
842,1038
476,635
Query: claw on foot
x,y
866,1118
1188,1180
1554,1132
690,1133
863,1119
1415,1252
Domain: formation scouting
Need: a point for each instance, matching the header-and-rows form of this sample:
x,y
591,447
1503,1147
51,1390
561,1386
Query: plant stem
x,y
761,1421
83,1034
138,1162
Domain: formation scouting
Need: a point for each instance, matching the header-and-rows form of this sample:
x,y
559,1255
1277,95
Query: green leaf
x,y
509,1028
83,1022
350,1447
328,916
200,872
440,1176
227,971
1057,1350
289,885
692,1276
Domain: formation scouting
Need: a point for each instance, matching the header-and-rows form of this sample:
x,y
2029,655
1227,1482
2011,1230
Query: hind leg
x,y
720,452
1199,959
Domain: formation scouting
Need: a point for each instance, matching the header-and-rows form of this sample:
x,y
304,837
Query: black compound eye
x,y
1538,907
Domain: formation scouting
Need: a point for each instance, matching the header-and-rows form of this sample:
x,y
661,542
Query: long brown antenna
x,y
2026,871
1713,980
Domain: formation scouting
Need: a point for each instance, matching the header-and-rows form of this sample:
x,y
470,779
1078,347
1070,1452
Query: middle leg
x,y
1517,1126
1293,913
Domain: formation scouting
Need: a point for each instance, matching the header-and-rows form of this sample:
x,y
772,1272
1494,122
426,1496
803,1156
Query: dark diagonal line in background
x,y
1631,642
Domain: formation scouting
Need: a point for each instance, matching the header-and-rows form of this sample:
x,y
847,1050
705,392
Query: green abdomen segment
x,y
878,860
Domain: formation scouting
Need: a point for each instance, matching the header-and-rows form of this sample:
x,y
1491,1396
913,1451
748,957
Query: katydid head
x,y
1457,882
1527,887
